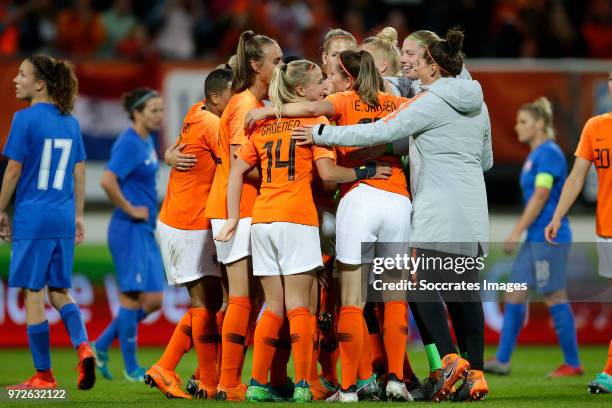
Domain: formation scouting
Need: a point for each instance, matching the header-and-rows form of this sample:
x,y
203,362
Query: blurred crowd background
x,y
209,29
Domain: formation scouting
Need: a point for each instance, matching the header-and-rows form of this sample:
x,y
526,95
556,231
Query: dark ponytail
x,y
59,78
447,53
360,66
136,100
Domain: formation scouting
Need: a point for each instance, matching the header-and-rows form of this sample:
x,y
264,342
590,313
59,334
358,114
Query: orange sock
x,y
220,315
395,333
377,351
256,309
350,339
233,338
608,368
301,341
176,347
313,377
365,361
266,339
278,372
204,328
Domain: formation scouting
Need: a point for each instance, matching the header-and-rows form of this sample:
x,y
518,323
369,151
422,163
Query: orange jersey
x,y
595,145
231,132
286,171
350,110
187,191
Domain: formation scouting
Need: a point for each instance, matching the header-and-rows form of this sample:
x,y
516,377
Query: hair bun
x,y
544,104
388,34
454,38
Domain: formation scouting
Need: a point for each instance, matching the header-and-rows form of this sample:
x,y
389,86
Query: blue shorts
x,y
36,263
541,266
136,256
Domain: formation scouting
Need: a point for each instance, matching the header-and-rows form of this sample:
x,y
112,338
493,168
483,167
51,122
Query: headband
x,y
432,58
344,68
143,99
416,40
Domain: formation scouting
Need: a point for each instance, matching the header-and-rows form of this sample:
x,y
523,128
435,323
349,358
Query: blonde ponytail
x,y
250,48
384,46
541,108
368,82
285,80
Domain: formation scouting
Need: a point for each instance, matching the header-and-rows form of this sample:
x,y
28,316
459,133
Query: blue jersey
x,y
48,145
135,163
546,158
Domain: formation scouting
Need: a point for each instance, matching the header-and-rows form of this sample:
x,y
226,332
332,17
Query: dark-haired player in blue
x,y
130,183
541,266
46,169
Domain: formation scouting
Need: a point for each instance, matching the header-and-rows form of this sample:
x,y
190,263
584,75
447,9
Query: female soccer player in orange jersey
x,y
256,57
285,233
360,100
594,148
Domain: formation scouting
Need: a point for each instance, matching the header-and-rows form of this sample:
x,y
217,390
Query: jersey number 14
x,y
65,145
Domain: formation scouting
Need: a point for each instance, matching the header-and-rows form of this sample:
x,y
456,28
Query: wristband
x,y
389,151
366,171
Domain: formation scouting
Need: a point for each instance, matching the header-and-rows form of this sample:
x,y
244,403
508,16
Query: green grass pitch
x,y
525,387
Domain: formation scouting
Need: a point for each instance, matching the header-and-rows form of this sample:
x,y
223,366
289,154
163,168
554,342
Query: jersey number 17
x,y
65,145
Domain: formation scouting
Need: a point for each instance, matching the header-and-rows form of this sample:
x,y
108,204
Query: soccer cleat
x,y
349,395
167,382
86,367
285,390
231,394
38,380
429,387
204,392
101,357
474,387
329,385
601,384
454,368
320,391
367,390
192,386
495,367
396,390
135,376
257,392
565,370
301,392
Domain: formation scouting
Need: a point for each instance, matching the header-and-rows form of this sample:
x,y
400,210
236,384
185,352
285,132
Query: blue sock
x,y
73,322
127,325
514,317
141,314
108,336
40,347
563,319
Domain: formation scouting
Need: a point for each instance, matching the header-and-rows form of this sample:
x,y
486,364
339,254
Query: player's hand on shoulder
x,y
139,213
80,231
255,115
383,170
303,135
178,160
5,227
228,230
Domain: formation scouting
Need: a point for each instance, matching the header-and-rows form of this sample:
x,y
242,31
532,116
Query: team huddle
x,y
280,175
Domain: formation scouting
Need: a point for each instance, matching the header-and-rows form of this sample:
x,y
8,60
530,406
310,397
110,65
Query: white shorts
x,y
188,254
236,248
369,214
604,251
285,248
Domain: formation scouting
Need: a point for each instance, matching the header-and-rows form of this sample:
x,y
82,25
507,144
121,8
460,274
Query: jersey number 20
x,y
65,145
278,163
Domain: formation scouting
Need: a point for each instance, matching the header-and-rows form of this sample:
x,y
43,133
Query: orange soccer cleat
x,y
167,382
42,379
454,368
474,387
237,393
86,367
204,392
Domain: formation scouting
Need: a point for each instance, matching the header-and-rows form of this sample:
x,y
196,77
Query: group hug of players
x,y
248,222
